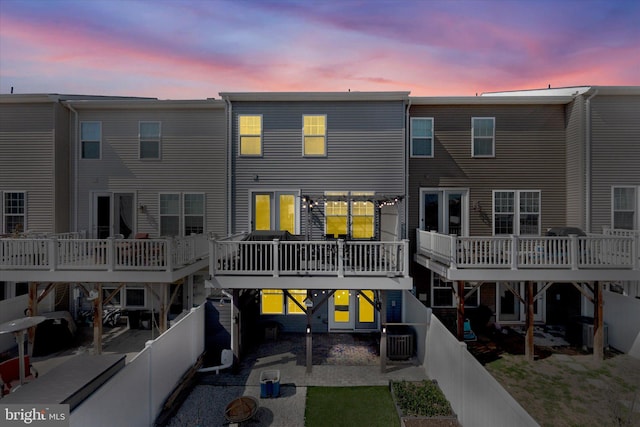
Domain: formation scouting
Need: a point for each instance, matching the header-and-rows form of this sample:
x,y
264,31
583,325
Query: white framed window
x,y
314,136
135,297
422,137
91,140
272,301
182,214
14,212
624,207
349,214
483,136
516,212
117,297
443,295
250,135
149,140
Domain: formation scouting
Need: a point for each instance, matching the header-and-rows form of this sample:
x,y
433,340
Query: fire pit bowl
x,y
241,409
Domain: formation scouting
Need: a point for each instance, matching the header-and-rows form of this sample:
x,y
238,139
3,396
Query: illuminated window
x,y
314,135
422,137
483,136
337,214
149,136
250,135
272,301
299,295
362,216
90,140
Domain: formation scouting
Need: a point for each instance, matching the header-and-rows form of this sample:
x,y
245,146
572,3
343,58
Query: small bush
x,y
421,399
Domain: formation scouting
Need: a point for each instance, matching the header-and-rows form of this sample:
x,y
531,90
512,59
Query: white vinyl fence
x,y
622,316
134,396
475,396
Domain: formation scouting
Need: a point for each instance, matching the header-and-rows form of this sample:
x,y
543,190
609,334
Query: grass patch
x,y
421,399
350,407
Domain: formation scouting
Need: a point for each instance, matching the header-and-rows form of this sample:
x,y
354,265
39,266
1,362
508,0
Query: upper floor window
x,y
349,214
483,136
422,137
314,135
624,206
250,134
516,212
149,136
14,211
90,140
181,214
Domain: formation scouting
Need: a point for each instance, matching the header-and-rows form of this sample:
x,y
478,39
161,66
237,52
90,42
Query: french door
x,y
444,210
351,310
275,210
112,214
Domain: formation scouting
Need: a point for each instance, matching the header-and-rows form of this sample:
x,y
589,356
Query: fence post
x,y
453,256
275,259
405,256
340,258
168,253
212,258
53,253
111,254
573,238
515,245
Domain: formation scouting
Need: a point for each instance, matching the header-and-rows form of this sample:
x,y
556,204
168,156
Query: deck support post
x,y
598,323
460,297
235,324
528,342
163,308
383,334
32,310
97,319
309,340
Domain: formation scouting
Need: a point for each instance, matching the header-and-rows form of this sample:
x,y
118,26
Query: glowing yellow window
x,y
336,214
250,131
341,306
288,213
362,217
299,295
262,207
366,311
314,130
272,301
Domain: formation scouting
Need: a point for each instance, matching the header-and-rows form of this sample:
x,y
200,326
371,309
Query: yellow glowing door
x,y
262,212
366,311
287,207
341,304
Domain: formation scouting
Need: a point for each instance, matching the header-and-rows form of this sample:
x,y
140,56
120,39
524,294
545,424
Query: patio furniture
x,y
10,374
469,335
19,328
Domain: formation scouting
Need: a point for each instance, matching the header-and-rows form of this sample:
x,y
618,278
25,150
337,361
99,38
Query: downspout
x,y
588,161
407,144
228,169
75,166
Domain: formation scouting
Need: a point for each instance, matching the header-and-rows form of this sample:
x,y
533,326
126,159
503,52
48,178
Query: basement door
x,y
511,309
349,311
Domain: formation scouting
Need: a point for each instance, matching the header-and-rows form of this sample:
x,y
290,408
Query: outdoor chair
x,y
10,373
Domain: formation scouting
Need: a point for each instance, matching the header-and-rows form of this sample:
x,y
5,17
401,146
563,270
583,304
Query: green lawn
x,y
350,407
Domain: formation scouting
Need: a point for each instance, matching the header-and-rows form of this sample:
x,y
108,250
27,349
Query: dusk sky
x,y
194,49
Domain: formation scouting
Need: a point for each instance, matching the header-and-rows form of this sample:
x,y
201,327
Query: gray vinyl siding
x,y
62,170
27,153
529,155
193,160
365,152
576,163
615,151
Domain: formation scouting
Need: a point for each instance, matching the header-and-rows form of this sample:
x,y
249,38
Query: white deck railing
x,y
315,258
520,252
110,254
